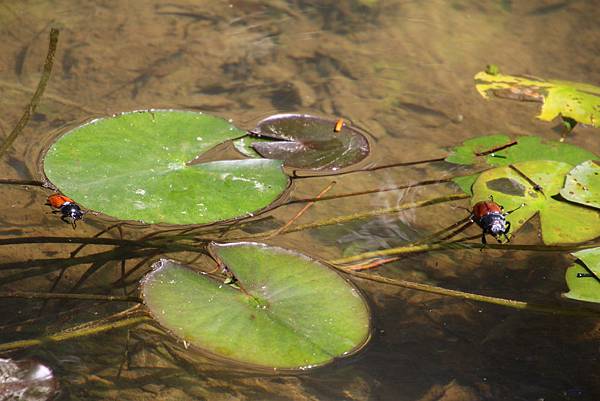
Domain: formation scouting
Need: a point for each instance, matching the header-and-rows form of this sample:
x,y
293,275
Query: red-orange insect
x,y
71,212
338,125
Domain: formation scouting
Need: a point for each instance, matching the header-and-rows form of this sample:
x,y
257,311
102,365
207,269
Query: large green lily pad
x,y
561,221
309,142
139,166
575,100
295,312
582,184
512,150
583,279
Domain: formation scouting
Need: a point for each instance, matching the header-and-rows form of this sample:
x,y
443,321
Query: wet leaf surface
x,y
521,149
583,279
582,184
136,166
575,100
297,313
561,221
309,142
26,380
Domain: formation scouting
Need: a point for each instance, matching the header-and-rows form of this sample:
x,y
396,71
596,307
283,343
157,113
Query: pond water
x,y
401,70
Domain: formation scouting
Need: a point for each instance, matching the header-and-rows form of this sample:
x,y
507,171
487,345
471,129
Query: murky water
x,y
403,70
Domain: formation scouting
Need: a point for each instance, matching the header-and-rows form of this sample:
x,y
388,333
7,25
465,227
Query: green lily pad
x,y
140,166
575,100
522,148
561,221
584,281
309,142
467,152
582,184
525,148
294,312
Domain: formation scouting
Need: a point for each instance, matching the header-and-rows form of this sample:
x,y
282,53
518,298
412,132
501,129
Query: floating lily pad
x,y
522,148
582,184
295,312
583,279
561,221
575,100
309,142
139,166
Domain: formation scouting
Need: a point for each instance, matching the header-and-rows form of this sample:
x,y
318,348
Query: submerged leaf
x,y
578,101
582,184
309,142
512,186
583,279
138,166
293,311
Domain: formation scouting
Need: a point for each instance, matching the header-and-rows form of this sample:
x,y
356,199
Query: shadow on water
x,y
401,70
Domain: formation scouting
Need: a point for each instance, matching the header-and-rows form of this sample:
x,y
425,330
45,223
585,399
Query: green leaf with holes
x,y
140,166
521,149
293,312
582,184
310,142
511,187
575,100
583,277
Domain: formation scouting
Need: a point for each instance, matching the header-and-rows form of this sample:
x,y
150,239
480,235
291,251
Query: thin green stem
x,y
36,96
364,215
459,244
510,303
123,319
57,295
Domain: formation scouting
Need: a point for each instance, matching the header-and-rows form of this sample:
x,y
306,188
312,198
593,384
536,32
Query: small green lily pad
x,y
520,149
294,312
140,166
582,184
578,101
584,281
310,142
512,186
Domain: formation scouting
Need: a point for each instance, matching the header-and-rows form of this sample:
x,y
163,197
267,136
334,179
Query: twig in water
x,y
36,96
301,212
116,321
476,297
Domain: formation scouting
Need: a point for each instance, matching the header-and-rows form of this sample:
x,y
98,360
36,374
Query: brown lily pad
x,y
309,142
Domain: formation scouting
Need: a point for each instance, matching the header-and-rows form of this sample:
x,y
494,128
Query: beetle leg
x,y
483,242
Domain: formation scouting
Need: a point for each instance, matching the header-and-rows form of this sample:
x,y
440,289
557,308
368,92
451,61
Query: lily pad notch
x,y
138,166
308,142
294,312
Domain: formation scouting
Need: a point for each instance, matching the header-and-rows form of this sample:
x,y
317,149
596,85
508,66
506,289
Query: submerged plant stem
x,y
370,191
56,295
476,297
458,244
33,183
302,211
376,212
36,96
123,319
